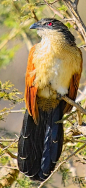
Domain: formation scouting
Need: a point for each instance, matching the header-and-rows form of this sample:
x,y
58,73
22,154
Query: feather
x,y
31,89
39,147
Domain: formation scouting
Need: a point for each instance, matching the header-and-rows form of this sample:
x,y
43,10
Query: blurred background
x,y
16,39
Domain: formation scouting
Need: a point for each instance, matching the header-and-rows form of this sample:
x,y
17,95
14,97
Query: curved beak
x,y
34,26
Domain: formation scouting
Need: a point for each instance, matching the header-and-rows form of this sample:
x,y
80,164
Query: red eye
x,y
50,23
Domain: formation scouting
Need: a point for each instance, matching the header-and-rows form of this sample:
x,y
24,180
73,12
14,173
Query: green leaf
x,y
63,8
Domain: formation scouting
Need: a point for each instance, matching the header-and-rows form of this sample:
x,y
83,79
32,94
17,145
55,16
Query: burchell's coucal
x,y
54,66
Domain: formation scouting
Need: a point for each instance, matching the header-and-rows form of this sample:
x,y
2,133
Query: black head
x,y
48,23
53,24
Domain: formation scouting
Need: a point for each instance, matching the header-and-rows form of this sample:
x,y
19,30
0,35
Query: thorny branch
x,y
56,169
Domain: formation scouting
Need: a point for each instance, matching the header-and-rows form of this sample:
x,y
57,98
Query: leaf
x,y
63,8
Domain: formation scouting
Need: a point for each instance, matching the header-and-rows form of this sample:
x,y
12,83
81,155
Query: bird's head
x,y
50,26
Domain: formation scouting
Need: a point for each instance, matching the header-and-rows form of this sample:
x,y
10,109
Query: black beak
x,y
34,26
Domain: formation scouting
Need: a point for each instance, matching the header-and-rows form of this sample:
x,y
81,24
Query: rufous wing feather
x,y
31,89
73,88
74,84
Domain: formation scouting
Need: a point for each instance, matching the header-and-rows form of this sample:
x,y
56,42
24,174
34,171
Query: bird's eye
x,y
50,23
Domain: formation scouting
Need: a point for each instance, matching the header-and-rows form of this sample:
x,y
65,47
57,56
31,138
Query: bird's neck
x,y
53,42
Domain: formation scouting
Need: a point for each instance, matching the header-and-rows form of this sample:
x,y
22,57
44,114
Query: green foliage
x,y
63,8
7,92
79,180
83,151
6,55
13,15
66,174
4,159
25,182
68,25
12,96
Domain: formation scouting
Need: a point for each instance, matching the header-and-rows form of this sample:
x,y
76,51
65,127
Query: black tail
x,y
40,146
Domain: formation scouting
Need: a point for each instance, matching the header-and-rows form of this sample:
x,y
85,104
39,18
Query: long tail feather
x,y
40,146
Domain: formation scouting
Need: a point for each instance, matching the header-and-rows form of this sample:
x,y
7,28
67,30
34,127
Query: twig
x,y
79,117
27,41
13,33
55,11
71,102
81,93
53,2
11,111
66,140
81,141
68,19
75,4
83,46
78,136
73,8
7,151
5,148
41,185
8,167
67,116
33,12
7,140
34,15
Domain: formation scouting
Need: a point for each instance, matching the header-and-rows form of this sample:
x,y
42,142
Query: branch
x,y
11,111
75,16
7,140
13,33
66,140
79,117
66,117
73,8
9,167
5,148
53,2
56,169
55,11
7,151
34,16
71,102
75,4
27,41
83,46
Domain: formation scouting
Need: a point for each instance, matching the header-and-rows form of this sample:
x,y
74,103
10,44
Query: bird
x,y
54,69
